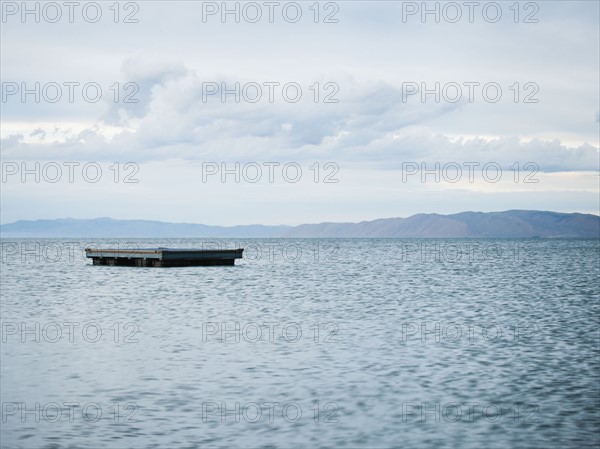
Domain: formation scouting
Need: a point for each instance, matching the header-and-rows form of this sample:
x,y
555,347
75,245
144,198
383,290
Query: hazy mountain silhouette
x,y
513,223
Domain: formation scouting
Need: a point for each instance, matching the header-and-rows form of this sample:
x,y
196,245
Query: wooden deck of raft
x,y
163,257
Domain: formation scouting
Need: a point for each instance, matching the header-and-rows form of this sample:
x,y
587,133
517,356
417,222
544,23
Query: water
x,y
378,344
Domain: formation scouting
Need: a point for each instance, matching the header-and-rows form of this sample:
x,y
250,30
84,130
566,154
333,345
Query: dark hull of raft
x,y
163,257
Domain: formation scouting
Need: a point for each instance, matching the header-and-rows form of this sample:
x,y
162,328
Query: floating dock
x,y
164,257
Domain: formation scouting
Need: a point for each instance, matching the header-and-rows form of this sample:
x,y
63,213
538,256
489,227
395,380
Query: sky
x,y
297,112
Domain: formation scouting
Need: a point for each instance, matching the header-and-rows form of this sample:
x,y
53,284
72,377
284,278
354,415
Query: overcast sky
x,y
359,128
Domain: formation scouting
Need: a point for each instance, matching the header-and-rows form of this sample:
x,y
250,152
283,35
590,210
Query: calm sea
x,y
304,343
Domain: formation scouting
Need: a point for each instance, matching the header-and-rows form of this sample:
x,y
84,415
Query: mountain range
x,y
507,224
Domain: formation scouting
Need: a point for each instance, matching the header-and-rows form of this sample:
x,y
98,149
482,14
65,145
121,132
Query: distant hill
x,y
107,227
508,224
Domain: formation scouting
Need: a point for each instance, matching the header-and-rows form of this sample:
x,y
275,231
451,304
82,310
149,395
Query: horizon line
x,y
301,224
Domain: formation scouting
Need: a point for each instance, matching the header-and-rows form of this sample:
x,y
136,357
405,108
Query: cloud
x,y
373,124
145,75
